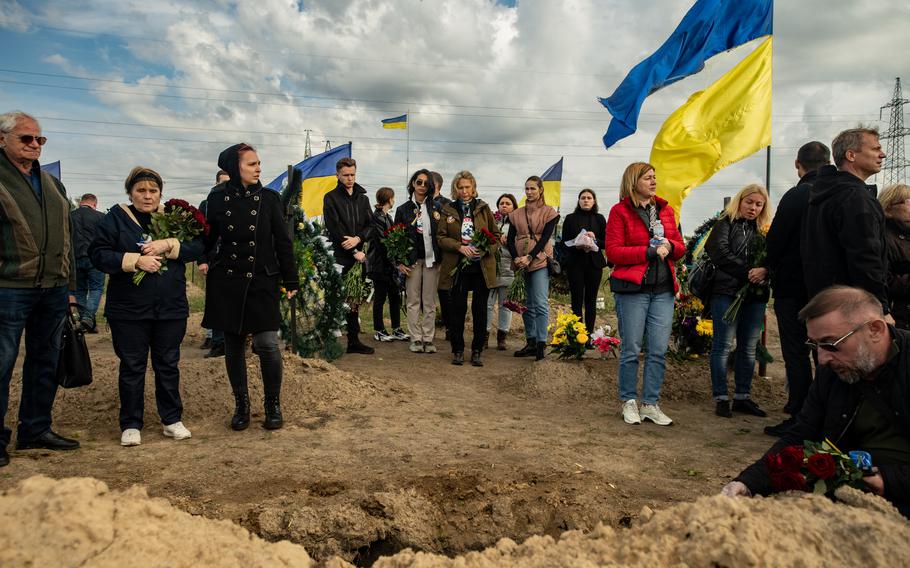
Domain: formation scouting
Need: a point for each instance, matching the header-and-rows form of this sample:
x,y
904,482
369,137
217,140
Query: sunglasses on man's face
x,y
832,347
28,139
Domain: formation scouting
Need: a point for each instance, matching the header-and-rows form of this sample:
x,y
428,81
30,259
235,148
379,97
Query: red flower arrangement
x,y
398,244
818,467
482,241
180,221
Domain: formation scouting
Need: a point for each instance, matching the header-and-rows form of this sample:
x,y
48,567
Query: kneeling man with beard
x,y
860,399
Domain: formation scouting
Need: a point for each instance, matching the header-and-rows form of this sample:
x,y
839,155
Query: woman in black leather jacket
x,y
734,244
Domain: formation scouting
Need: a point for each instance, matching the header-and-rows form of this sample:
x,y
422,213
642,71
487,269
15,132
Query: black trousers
x,y
793,348
133,340
472,282
386,289
265,343
584,284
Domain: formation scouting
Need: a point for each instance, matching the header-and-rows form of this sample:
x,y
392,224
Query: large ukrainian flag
x,y
396,122
318,175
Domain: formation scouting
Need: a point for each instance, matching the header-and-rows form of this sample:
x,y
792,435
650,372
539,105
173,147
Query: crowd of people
x,y
835,259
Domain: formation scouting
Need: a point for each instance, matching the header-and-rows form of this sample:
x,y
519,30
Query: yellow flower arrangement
x,y
570,337
705,327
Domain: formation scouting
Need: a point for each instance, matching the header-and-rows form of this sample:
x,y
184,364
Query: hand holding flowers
x,y
180,221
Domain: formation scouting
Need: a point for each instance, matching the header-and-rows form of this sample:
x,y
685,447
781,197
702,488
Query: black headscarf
x,y
229,161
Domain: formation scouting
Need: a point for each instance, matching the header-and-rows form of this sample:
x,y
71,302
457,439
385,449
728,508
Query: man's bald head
x,y
855,304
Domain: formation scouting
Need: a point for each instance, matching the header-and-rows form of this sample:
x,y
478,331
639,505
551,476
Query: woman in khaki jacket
x,y
463,217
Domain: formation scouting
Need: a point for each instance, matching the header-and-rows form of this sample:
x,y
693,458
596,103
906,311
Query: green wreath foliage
x,y
319,308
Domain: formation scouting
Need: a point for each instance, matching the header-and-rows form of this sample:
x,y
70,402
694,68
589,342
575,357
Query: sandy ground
x,y
396,450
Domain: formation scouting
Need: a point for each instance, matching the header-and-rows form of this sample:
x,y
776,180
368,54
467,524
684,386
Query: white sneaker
x,y
177,431
630,412
130,437
429,348
653,413
416,347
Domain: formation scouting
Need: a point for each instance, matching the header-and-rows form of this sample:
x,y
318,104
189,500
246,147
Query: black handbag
x,y
701,277
74,368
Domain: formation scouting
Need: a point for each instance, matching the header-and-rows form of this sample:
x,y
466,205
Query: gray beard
x,y
865,364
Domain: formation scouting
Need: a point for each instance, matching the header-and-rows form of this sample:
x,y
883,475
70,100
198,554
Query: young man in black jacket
x,y
89,280
843,233
860,399
346,211
786,265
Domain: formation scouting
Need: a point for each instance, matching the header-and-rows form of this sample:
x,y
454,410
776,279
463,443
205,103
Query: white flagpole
x,y
407,162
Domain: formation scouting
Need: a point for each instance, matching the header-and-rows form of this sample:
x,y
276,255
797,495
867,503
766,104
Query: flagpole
x,y
762,366
407,160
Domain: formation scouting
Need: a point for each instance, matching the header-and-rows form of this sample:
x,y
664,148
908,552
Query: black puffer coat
x,y
897,243
254,258
730,247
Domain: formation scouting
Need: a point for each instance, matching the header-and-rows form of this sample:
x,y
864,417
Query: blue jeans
x,y
497,297
89,284
643,314
747,329
39,313
536,319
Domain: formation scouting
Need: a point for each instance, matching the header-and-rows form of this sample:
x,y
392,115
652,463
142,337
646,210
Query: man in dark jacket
x,y
786,266
89,280
860,399
843,233
36,271
346,211
214,338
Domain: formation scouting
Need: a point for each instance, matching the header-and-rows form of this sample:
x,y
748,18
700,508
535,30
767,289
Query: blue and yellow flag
x,y
552,185
708,28
396,122
318,175
52,168
716,127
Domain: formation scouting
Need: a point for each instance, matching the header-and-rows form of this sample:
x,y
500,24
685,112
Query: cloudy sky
x,y
500,88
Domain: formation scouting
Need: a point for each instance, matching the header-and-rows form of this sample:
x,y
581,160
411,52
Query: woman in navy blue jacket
x,y
150,316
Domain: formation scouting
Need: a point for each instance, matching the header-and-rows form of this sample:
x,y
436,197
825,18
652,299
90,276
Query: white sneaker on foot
x,y
429,347
630,412
130,437
177,431
653,413
416,347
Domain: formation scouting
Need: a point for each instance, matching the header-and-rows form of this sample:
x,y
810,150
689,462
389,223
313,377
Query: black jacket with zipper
x,y
830,410
785,262
347,216
406,214
379,266
731,250
843,236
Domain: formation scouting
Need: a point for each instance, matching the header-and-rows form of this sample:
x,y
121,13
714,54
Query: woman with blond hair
x,y
530,229
466,215
895,201
643,242
735,241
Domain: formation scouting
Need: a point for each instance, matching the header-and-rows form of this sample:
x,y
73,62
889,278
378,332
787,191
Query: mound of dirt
x,y
791,530
596,380
80,522
310,386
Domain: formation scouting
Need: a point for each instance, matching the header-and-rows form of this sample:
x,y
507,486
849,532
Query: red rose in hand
x,y
788,481
773,464
791,458
488,234
822,465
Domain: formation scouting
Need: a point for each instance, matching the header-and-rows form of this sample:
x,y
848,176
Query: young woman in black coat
x,y
150,316
382,272
585,268
254,259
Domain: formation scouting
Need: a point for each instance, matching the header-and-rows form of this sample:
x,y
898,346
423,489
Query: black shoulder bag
x,y
74,368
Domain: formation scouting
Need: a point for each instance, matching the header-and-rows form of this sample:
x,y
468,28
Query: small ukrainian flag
x,y
397,122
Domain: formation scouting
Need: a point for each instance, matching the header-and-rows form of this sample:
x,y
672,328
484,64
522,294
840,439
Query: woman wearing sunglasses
x,y
421,216
735,240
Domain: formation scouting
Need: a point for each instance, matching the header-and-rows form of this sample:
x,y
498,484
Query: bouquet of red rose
x,y
517,294
482,241
180,221
817,467
398,244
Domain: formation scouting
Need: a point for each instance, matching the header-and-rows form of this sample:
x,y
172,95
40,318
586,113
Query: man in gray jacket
x,y
36,271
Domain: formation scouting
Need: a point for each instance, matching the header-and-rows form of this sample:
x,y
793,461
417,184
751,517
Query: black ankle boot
x,y
458,358
273,418
475,359
541,350
241,418
528,350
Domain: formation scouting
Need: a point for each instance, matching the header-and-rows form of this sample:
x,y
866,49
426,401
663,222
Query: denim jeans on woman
x,y
747,329
537,284
643,314
497,297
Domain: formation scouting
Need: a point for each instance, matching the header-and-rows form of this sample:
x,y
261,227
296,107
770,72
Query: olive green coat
x,y
448,234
